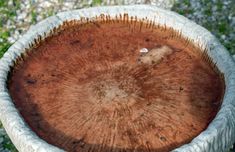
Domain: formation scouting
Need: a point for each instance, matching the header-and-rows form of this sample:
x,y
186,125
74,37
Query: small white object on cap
x,y
144,50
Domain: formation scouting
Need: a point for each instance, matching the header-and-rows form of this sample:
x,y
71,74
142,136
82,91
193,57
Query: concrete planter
x,y
219,135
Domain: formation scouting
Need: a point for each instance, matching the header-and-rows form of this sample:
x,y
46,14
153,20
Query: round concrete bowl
x,y
181,107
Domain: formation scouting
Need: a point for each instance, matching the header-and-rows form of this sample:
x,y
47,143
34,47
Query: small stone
x,y
144,50
1,140
2,132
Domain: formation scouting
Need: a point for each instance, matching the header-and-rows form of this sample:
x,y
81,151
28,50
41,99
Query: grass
x,y
96,2
6,144
6,13
213,16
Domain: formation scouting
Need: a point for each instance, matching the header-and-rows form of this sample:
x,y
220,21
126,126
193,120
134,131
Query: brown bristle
x,y
116,85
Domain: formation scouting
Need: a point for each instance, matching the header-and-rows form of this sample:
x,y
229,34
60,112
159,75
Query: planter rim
x,y
219,135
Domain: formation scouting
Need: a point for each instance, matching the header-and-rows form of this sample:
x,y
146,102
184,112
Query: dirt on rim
x,y
116,86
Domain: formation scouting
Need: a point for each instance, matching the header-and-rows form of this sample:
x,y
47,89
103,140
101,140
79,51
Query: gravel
x,y
218,16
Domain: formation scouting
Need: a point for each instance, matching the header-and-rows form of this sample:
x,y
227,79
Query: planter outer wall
x,y
219,135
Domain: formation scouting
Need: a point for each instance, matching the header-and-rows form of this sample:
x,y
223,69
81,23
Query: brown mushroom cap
x,y
84,89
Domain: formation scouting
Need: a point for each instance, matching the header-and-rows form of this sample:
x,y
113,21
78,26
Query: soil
x,y
85,89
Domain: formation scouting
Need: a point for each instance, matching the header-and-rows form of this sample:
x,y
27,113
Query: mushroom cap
x,y
88,87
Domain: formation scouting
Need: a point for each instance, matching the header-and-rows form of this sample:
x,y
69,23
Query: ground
x,y
218,16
